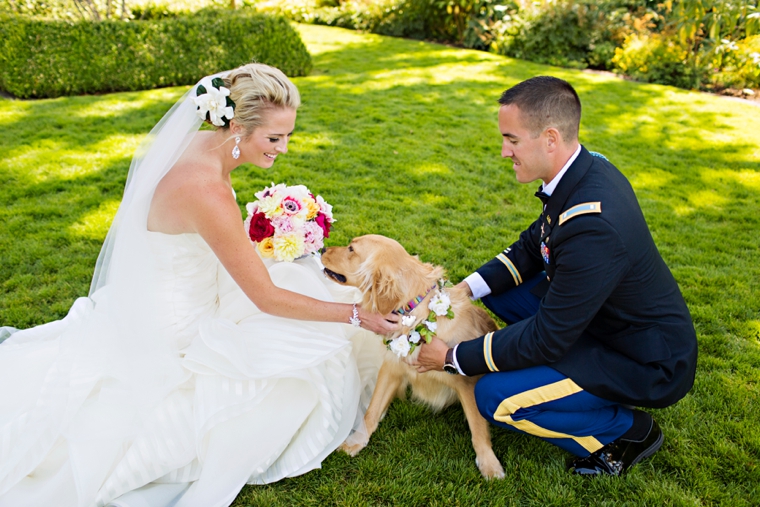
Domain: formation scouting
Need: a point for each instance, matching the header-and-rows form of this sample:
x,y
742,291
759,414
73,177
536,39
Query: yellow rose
x,y
313,208
288,246
266,247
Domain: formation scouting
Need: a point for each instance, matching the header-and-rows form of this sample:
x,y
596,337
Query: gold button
x,y
549,279
548,219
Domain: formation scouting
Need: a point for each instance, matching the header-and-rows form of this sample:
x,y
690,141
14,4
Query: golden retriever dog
x,y
389,278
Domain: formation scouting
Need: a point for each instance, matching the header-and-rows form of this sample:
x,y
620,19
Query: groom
x,y
596,322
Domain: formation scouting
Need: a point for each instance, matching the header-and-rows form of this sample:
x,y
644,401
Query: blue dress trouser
x,y
539,400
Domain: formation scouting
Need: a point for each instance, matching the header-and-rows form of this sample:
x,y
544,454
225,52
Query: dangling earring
x,y
236,149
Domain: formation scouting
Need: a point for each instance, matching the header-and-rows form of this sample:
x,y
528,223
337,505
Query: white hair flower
x,y
212,102
414,337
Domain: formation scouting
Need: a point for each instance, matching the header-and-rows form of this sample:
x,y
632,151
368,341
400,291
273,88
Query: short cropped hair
x,y
544,102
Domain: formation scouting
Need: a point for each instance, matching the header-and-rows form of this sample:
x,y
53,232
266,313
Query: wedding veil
x,y
124,282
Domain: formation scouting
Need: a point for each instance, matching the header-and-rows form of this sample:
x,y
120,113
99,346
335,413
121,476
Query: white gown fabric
x,y
225,396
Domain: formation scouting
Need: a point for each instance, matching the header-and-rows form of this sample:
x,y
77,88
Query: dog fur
x,y
388,277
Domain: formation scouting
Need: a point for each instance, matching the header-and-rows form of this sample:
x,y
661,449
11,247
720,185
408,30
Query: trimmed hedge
x,y
46,58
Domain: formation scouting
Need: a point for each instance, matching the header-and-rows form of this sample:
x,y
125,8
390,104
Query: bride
x,y
182,376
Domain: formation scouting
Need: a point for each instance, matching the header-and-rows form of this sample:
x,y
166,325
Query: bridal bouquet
x,y
288,222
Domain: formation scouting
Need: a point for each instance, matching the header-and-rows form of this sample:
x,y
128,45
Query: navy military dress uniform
x,y
596,320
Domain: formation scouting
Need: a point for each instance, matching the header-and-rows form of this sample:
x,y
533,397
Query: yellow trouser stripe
x,y
537,396
511,267
488,353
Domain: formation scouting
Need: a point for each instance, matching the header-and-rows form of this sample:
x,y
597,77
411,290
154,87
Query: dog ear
x,y
381,286
387,291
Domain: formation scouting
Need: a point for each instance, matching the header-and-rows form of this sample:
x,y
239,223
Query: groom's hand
x,y
432,356
465,287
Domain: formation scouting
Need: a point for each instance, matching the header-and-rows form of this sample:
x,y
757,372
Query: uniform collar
x,y
573,174
548,189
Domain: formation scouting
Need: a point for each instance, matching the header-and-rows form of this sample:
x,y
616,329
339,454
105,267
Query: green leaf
x,y
217,82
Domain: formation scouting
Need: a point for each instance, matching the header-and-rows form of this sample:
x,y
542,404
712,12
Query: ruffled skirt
x,y
253,399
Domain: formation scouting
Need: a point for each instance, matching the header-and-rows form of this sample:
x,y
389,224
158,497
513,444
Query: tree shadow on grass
x,y
60,160
401,137
696,177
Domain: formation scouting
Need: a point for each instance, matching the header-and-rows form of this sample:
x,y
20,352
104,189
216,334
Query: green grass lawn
x,y
401,136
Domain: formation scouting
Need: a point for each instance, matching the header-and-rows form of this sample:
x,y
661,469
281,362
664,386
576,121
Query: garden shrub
x,y
559,35
51,58
568,33
737,64
398,18
641,38
657,58
97,10
574,34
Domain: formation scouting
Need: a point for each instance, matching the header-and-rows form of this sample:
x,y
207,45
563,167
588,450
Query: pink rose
x,y
324,223
260,227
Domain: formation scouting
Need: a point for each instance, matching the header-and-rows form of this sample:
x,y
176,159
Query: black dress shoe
x,y
619,455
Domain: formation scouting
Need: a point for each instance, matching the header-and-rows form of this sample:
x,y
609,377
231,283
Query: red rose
x,y
324,223
260,227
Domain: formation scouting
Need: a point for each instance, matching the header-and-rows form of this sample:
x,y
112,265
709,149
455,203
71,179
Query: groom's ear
x,y
552,139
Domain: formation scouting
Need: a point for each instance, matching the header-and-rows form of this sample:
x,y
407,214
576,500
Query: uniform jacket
x,y
613,318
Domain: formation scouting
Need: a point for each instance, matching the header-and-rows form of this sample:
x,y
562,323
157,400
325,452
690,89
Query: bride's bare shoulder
x,y
193,188
196,175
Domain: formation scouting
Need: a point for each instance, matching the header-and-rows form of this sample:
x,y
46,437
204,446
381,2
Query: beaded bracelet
x,y
354,320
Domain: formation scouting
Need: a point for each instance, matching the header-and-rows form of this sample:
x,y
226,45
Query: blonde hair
x,y
257,88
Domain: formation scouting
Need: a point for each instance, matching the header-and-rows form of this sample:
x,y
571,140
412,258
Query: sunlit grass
x,y
401,136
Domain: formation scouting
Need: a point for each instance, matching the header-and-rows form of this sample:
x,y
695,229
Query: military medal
x,y
545,252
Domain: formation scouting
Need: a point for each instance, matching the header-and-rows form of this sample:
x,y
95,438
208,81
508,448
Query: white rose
x,y
432,326
414,337
440,304
324,207
408,320
299,191
271,190
400,346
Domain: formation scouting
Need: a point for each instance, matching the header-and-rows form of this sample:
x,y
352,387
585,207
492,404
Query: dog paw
x,y
490,468
353,449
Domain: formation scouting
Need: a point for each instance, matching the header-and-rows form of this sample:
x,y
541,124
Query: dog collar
x,y
411,305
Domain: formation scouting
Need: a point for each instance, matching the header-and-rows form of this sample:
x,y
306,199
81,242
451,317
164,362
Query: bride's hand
x,y
377,323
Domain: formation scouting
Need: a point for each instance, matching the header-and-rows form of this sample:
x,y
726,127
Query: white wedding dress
x,y
166,387
227,396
